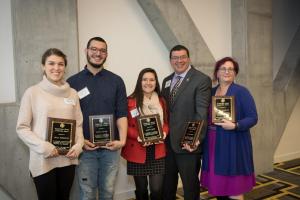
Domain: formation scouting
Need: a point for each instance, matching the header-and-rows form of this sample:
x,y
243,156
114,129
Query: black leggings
x,y
55,184
155,183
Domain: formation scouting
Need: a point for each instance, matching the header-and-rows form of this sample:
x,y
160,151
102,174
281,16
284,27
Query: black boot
x,y
141,195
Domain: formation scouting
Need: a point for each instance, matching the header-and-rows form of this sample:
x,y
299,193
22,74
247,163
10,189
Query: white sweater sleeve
x,y
24,127
79,139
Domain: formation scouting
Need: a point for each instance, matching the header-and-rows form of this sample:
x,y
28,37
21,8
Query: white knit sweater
x,y
39,102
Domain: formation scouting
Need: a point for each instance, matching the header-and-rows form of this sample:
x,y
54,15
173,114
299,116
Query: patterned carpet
x,y
282,184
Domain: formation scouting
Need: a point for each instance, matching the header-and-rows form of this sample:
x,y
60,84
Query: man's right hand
x,y
89,146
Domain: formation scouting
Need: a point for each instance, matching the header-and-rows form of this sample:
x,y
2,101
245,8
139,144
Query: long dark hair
x,y
138,93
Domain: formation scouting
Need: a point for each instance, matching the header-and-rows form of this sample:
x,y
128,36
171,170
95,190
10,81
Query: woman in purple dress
x,y
227,169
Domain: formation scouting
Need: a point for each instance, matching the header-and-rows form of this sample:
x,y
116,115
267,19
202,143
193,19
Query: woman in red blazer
x,y
146,160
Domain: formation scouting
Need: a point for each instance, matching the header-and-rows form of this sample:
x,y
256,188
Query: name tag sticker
x,y
69,101
134,113
168,84
83,93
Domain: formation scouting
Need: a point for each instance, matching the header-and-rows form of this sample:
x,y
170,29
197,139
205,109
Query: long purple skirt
x,y
218,185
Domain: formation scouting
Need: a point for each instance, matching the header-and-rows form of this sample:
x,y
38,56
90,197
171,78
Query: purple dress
x,y
219,185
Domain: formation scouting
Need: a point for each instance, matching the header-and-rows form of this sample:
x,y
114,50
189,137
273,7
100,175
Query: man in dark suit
x,y
187,92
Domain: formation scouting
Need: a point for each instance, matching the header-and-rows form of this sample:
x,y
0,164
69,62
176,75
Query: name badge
x,y
168,84
83,93
69,101
134,113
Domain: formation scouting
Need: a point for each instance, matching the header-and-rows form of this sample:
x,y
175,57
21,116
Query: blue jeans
x,y
97,172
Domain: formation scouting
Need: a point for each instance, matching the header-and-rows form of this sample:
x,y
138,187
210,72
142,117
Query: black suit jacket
x,y
190,104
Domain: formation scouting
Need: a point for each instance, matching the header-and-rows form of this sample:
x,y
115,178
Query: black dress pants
x,y
188,166
55,184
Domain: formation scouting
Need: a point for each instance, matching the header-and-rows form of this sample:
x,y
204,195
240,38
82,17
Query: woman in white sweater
x,y
52,172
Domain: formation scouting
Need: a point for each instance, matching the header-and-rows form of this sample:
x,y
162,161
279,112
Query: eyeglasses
x,y
176,58
94,50
224,70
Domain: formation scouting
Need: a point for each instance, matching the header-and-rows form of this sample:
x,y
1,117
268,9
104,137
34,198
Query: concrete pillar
x,y
37,26
175,26
253,47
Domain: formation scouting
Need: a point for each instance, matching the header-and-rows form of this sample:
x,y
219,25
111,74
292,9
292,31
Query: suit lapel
x,y
167,89
184,83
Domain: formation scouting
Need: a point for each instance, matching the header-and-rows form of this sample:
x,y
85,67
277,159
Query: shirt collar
x,y
88,72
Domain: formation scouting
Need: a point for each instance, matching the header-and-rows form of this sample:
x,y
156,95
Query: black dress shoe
x,y
222,197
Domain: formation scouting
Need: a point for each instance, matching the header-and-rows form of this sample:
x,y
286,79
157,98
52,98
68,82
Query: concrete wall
x,y
7,79
288,147
217,30
286,20
37,25
253,45
133,43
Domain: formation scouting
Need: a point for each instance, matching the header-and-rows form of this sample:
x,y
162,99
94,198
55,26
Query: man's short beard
x,y
97,66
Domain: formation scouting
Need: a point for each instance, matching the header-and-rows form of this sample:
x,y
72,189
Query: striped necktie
x,y
175,89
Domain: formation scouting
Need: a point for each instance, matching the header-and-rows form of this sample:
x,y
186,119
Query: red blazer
x,y
133,151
